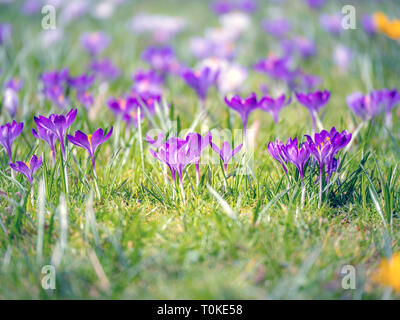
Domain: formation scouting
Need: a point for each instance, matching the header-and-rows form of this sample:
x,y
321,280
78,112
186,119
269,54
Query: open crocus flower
x,y
28,169
366,106
200,81
275,67
274,106
95,43
226,153
243,106
161,59
313,101
90,142
104,69
149,82
47,136
324,147
58,125
8,133
176,154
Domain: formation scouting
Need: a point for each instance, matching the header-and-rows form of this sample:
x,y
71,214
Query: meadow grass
x,y
244,239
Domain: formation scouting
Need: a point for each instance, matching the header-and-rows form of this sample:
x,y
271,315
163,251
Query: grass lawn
x,y
243,235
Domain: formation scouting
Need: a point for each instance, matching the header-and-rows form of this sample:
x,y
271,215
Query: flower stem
x,y
197,175
97,188
64,173
320,188
303,193
182,190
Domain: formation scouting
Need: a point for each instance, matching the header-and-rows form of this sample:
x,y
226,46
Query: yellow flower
x,y
381,21
389,272
390,28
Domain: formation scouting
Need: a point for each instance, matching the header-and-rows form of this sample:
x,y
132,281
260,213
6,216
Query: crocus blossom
x,y
243,106
197,144
274,106
54,86
28,169
161,59
200,81
297,156
326,144
313,101
367,106
8,133
90,142
47,136
226,153
58,125
95,43
177,155
276,151
104,69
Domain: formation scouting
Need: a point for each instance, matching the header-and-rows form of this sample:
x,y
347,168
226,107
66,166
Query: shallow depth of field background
x,y
143,243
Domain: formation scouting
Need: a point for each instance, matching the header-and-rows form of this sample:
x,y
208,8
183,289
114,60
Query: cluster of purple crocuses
x,y
178,153
376,102
52,129
323,148
313,101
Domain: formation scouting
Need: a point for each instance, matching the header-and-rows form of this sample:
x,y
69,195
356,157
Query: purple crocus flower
x,y
90,142
11,100
176,154
222,6
58,125
81,84
95,42
105,69
325,145
275,67
277,27
315,4
313,101
161,59
368,24
297,156
392,98
28,169
126,109
331,23
243,106
226,153
8,133
47,136
147,82
323,148
200,81
366,106
276,151
197,144
5,32
274,106
54,86
248,6
157,141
